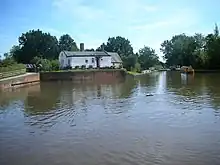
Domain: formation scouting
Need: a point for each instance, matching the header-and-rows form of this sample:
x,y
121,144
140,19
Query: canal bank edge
x,y
88,76
78,76
19,81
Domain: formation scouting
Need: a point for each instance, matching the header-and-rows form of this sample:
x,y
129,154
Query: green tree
x,y
196,50
67,43
6,55
14,51
147,57
200,55
123,47
212,48
129,62
46,65
120,45
179,50
101,47
35,43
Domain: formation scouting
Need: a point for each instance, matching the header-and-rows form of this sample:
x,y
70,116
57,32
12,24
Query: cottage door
x,y
98,62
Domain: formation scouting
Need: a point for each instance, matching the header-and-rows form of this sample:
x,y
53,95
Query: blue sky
x,y
143,22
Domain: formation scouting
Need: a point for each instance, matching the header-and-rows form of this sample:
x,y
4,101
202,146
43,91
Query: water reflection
x,y
17,94
54,103
46,97
113,123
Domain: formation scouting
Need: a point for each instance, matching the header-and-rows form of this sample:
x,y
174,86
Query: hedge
x,y
12,68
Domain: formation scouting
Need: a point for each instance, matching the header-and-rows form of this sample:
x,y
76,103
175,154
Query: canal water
x,y
108,124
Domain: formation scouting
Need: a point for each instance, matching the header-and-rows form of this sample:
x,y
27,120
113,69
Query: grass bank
x,y
12,70
133,73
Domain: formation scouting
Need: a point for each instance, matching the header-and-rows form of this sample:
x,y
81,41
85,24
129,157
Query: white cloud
x,y
141,22
150,8
153,33
89,40
77,10
53,31
152,26
114,9
181,19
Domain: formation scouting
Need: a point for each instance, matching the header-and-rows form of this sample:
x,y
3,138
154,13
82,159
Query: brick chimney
x,y
81,46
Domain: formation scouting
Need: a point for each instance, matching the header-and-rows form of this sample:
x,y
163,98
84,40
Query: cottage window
x,y
86,61
93,60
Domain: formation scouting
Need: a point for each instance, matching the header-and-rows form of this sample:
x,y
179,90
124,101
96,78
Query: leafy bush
x,y
90,66
37,60
46,65
12,68
55,65
67,68
76,67
83,67
138,67
9,64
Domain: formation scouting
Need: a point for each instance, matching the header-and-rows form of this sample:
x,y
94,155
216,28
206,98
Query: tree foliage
x,y
197,50
123,47
147,57
179,50
131,61
120,45
35,43
67,43
37,47
46,65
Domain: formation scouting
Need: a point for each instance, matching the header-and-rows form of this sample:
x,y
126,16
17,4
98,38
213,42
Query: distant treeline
x,y
36,44
198,50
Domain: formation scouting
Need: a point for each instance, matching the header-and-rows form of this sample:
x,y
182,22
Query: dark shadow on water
x,y
52,95
18,94
200,87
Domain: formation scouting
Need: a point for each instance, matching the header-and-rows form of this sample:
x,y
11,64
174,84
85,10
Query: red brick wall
x,y
19,81
85,76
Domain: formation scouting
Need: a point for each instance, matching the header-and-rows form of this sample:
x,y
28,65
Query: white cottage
x,y
94,59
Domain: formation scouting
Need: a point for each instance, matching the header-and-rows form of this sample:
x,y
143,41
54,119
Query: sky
x,y
143,22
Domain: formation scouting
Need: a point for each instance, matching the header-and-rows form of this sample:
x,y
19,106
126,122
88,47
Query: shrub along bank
x,y
8,68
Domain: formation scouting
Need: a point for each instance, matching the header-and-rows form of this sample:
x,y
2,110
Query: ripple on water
x,y
114,123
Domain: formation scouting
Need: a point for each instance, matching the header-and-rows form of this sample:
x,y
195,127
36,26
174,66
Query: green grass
x,y
12,68
12,73
133,73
